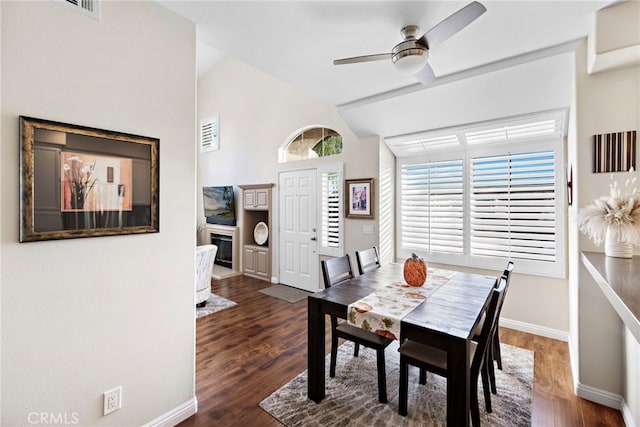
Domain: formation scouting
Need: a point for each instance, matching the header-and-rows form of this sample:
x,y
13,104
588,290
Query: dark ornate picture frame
x,y
78,181
359,198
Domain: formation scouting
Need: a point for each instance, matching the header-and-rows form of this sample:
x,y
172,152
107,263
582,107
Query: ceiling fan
x,y
410,56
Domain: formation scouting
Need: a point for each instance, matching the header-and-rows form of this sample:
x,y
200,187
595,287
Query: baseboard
x,y
556,334
602,397
627,416
176,415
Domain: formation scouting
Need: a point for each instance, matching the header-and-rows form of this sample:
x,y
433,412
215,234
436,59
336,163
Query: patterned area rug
x,y
352,395
214,304
286,293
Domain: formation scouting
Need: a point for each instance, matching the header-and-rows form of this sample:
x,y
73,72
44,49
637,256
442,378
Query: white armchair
x,y
205,255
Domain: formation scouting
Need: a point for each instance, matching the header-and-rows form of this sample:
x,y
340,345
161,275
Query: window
x,y
513,206
312,143
330,221
482,194
432,216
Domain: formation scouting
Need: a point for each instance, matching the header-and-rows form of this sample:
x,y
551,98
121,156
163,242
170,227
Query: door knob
x,y
313,239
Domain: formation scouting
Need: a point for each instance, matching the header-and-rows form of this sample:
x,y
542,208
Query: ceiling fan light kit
x,y
410,55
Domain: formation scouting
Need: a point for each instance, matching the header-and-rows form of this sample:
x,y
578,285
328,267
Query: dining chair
x,y
434,360
368,260
494,345
494,353
336,271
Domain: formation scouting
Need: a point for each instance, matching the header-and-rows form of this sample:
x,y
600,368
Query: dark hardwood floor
x,y
245,353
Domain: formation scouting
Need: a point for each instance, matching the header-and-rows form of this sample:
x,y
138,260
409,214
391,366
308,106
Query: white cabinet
x,y
257,199
256,208
256,261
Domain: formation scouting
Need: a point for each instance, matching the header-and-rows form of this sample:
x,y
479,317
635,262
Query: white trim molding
x,y
627,416
556,334
176,415
597,395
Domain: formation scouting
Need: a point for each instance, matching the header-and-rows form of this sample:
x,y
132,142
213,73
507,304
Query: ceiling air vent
x,y
209,134
86,7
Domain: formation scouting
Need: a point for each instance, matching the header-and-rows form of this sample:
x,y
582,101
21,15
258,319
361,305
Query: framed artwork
x,y
77,181
360,198
614,152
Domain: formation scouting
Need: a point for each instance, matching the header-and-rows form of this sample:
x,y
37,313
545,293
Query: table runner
x,y
382,310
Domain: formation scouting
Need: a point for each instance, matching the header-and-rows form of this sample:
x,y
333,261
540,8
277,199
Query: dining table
x,y
445,318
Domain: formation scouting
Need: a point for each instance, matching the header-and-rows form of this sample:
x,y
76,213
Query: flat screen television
x,y
219,207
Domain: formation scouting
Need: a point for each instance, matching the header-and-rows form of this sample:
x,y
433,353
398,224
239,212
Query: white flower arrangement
x,y
619,213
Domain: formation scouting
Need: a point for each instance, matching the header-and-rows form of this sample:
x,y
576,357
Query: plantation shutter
x,y
209,134
512,206
432,206
331,211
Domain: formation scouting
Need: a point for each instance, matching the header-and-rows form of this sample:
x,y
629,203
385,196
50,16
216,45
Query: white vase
x,y
614,247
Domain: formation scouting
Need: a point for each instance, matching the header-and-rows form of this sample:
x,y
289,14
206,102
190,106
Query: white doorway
x,y
298,246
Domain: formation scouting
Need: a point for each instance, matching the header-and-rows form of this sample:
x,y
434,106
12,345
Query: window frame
x,y
555,143
282,150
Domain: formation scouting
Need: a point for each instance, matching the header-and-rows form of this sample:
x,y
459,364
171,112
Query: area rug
x,y
214,304
286,293
352,395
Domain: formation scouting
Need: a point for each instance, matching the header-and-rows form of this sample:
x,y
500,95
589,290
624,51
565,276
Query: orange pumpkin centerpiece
x,y
415,271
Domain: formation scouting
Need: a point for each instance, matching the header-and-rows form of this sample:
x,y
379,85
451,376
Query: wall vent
x,y
86,7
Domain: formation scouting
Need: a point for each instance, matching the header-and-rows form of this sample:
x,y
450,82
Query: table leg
x,y
458,398
315,351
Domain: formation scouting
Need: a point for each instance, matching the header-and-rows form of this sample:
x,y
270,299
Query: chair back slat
x,y
336,270
488,328
368,260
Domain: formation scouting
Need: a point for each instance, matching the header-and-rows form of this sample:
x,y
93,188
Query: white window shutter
x,y
209,130
432,207
331,202
512,206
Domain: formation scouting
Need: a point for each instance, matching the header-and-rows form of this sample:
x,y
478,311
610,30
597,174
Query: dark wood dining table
x,y
446,320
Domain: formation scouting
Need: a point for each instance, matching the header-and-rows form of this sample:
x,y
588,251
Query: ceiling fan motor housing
x,y
409,56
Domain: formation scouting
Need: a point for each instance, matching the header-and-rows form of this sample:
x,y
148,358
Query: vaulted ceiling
x,y
297,41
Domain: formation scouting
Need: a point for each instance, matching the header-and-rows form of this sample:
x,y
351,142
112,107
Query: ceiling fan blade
x,y
452,24
365,58
426,75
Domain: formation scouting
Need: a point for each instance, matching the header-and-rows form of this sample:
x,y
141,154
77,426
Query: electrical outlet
x,y
112,400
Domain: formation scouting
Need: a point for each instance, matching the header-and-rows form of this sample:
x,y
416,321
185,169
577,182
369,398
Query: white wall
x,y
82,316
257,115
607,101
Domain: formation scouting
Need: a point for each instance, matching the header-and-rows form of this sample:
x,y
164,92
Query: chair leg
x,y
382,377
423,376
475,410
495,344
334,355
490,369
485,385
356,349
404,386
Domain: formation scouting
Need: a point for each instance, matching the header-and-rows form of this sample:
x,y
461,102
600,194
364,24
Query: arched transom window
x,y
312,143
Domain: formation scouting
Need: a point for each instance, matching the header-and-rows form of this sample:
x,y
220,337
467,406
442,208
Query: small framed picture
x,y
359,200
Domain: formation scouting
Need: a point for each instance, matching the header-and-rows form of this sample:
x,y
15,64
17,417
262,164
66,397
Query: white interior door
x,y
298,252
